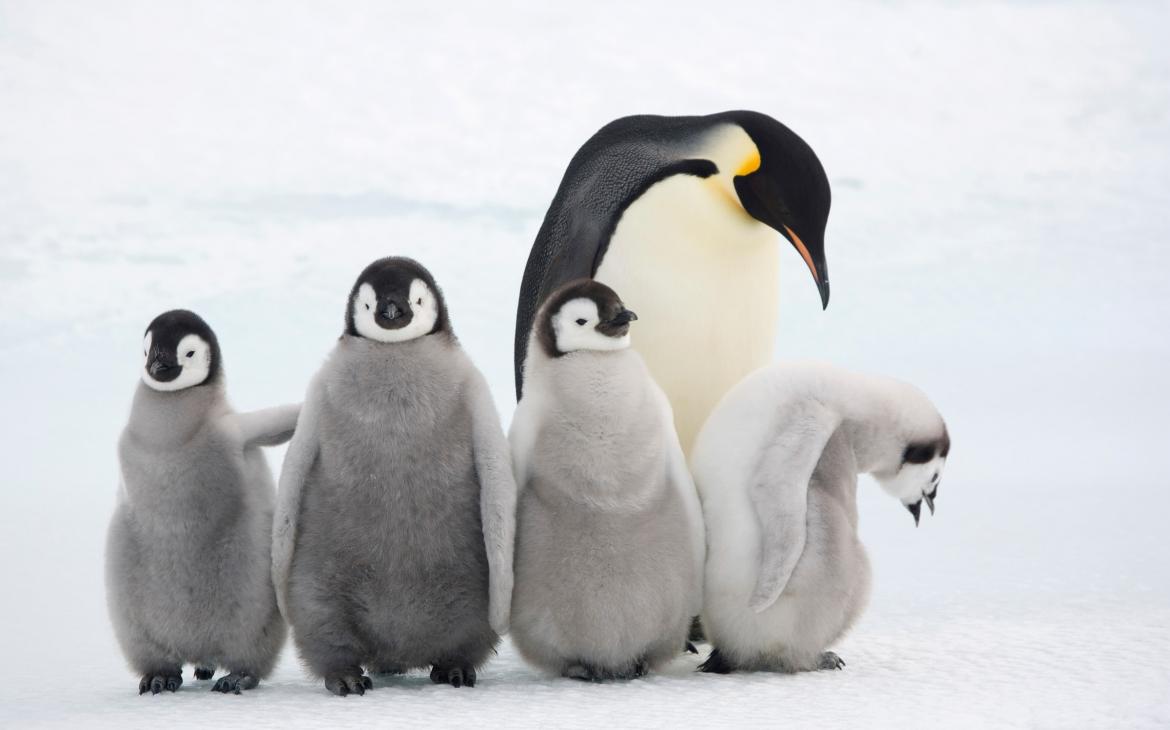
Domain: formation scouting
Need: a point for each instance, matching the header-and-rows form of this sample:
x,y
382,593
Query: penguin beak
x,y
623,317
163,367
760,196
916,510
618,325
392,314
814,257
929,499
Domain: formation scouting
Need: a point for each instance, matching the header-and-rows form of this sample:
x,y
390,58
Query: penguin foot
x,y
456,675
689,648
587,673
235,683
716,663
156,683
697,633
347,684
829,660
203,673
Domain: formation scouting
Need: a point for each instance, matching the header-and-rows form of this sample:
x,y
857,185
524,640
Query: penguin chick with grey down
x,y
396,513
776,465
188,557
609,544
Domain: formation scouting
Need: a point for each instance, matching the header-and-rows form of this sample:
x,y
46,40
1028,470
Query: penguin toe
x,y
235,683
829,660
344,685
457,676
157,683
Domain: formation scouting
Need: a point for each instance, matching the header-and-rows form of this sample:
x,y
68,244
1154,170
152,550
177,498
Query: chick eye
x,y
367,307
419,302
581,322
190,353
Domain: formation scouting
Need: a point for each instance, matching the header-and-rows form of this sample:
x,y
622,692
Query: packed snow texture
x,y
1001,182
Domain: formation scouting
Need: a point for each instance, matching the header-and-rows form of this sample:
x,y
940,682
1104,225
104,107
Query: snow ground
x,y
1001,175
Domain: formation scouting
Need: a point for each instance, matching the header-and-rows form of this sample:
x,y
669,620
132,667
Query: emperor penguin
x,y
396,511
609,539
681,214
189,550
776,466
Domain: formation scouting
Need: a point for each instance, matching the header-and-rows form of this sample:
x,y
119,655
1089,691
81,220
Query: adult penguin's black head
x,y
785,187
179,351
396,299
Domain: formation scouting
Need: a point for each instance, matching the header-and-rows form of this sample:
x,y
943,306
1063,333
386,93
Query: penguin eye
x,y
190,353
419,302
367,307
581,322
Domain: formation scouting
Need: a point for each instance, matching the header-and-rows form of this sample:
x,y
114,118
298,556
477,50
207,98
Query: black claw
x,y
158,683
689,648
456,676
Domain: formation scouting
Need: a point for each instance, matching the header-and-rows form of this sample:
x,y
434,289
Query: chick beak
x,y
916,510
623,317
929,499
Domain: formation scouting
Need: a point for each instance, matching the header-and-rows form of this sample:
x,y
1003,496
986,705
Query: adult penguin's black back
x,y
697,183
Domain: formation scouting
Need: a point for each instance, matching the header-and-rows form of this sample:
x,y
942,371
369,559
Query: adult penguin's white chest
x,y
702,276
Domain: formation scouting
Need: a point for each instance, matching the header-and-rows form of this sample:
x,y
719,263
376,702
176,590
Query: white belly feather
x,y
702,276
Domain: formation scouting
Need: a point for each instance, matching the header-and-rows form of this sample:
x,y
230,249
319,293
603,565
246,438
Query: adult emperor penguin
x,y
776,466
188,576
396,512
609,538
681,215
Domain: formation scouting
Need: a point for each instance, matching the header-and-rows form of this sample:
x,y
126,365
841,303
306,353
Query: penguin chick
x,y
396,512
776,466
609,546
189,546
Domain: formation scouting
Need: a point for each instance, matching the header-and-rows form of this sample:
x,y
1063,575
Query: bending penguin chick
x,y
188,556
609,537
776,466
396,513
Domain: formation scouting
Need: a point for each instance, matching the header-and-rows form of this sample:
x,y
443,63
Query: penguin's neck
x,y
171,419
701,274
369,377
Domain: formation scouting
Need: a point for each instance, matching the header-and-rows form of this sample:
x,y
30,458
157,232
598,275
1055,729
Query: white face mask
x,y
193,356
575,328
424,310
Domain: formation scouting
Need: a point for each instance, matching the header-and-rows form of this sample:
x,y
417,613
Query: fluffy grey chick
x,y
396,512
776,465
189,547
609,547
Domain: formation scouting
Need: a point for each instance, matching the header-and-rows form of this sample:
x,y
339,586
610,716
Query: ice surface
x,y
1001,179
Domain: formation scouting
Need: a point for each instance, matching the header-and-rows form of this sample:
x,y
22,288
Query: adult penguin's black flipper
x,y
609,172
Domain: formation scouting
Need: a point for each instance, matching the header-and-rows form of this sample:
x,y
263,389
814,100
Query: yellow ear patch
x,y
750,165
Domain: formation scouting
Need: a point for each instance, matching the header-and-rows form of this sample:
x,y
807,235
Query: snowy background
x,y
1001,215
